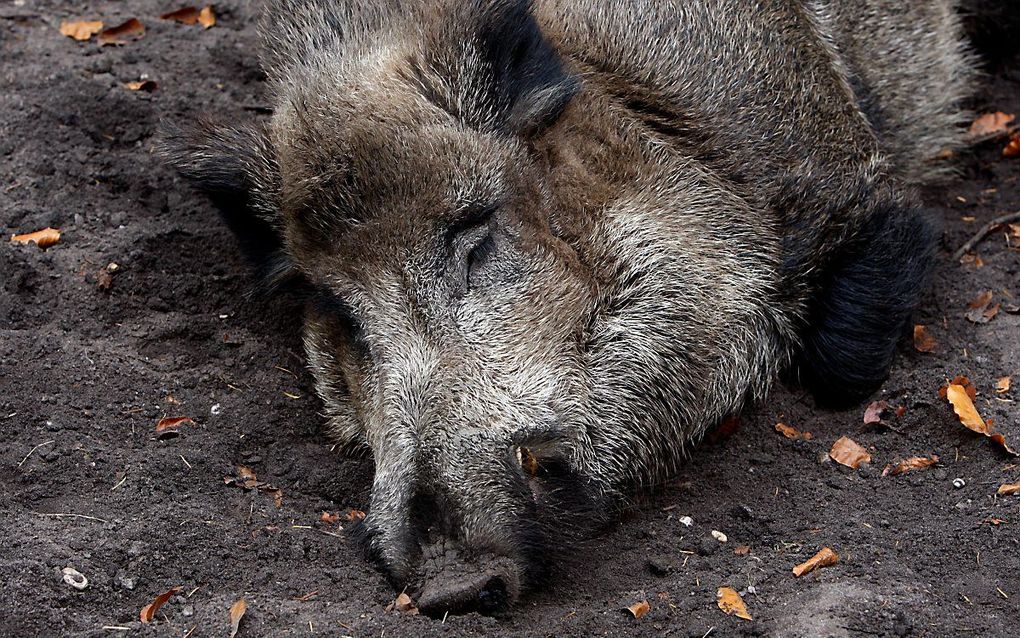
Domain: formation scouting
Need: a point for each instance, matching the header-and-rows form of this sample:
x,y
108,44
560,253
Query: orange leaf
x,y
355,515
404,605
742,550
1009,489
331,519
150,610
961,381
923,341
873,413
122,33
142,85
1012,149
1002,385
847,452
991,124
639,609
80,30
43,238
207,17
170,425
964,408
824,558
236,614
187,15
913,463
731,603
791,432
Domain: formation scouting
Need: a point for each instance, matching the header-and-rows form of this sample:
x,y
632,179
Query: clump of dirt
x,y
93,356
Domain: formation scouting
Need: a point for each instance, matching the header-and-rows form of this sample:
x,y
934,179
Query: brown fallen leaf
x,y
963,406
170,426
825,557
963,381
981,308
873,413
971,259
42,238
1002,385
793,433
207,17
80,30
639,609
186,15
404,605
355,515
236,614
1012,148
900,411
846,451
330,518
742,550
913,463
731,603
149,611
923,341
991,124
1009,489
142,85
123,33
246,479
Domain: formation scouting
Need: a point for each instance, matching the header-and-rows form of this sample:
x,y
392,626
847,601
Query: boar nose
x,y
487,586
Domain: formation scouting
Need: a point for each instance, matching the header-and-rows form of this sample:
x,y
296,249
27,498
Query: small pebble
x,y
959,483
719,536
215,409
686,521
75,578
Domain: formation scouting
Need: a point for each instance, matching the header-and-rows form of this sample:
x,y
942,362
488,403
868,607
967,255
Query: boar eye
x,y
331,307
479,255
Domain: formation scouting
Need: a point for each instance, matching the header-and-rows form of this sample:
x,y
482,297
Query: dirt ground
x,y
85,374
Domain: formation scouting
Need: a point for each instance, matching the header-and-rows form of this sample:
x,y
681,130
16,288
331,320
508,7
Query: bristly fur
x,y
576,234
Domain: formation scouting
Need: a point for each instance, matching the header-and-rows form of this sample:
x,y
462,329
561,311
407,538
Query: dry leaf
x,y
824,558
330,519
1009,489
963,381
149,611
207,17
142,85
963,405
404,605
1012,149
355,515
187,15
923,341
873,413
847,452
791,432
43,238
971,259
246,479
731,603
1002,385
742,550
913,463
236,614
122,33
991,124
639,609
168,427
80,30
981,308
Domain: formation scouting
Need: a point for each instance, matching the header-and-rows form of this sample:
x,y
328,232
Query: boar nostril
x,y
493,596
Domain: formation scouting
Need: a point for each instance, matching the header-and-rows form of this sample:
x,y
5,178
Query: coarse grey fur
x,y
549,244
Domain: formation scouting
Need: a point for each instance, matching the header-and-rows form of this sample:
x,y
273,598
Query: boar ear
x,y
236,166
529,75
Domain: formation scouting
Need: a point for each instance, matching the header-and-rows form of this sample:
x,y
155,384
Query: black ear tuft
x,y
236,166
864,307
528,73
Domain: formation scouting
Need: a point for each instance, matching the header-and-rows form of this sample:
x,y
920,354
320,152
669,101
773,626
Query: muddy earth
x,y
91,360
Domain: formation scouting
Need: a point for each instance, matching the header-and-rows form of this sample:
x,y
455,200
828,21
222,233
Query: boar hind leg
x,y
864,307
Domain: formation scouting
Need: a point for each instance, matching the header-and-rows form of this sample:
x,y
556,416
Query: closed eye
x,y
335,309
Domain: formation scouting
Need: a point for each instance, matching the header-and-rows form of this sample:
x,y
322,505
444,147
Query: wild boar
x,y
547,244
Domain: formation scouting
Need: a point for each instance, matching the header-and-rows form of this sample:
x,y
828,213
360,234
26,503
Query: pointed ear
x,y
236,166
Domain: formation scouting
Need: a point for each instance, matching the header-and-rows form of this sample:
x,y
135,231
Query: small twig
x,y
984,232
33,450
91,518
